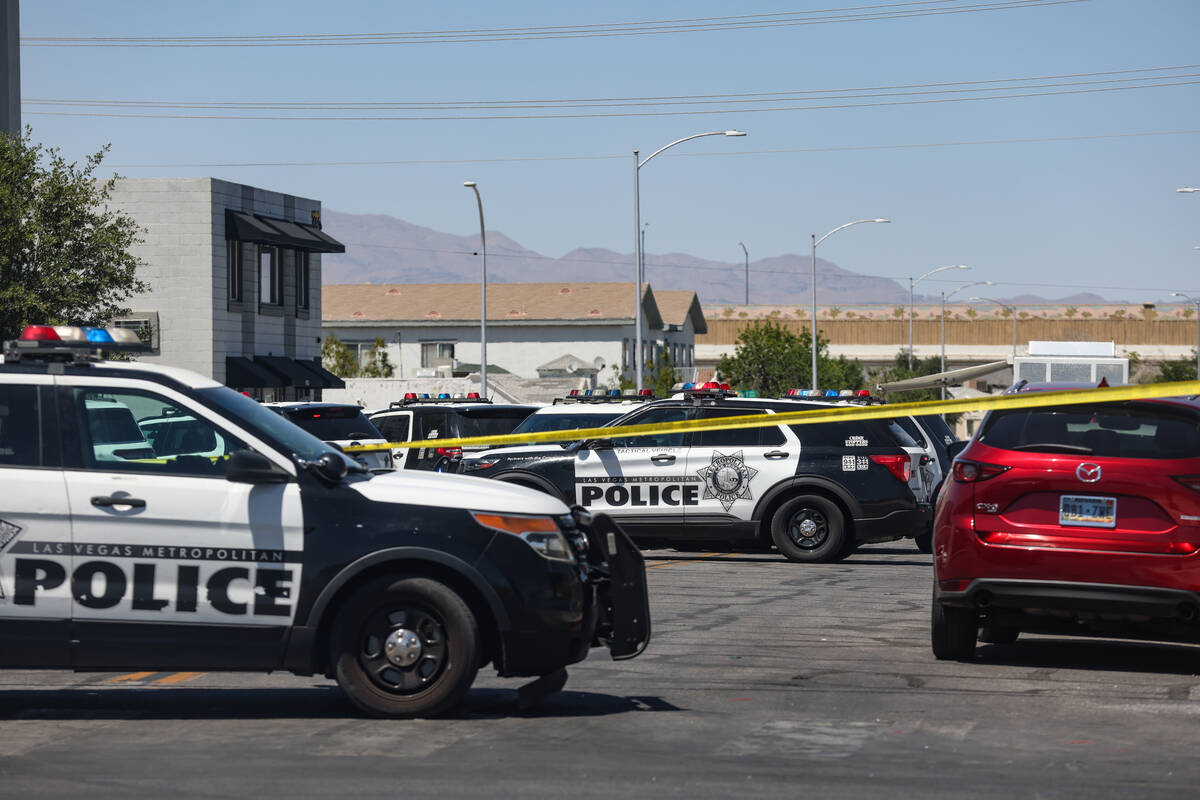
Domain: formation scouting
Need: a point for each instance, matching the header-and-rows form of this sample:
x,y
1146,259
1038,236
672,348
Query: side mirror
x,y
246,466
331,467
954,448
598,444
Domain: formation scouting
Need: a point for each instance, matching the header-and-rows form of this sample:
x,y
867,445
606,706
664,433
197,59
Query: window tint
x,y
536,423
19,426
335,424
432,425
394,428
490,421
132,431
900,434
737,437
938,429
1129,430
651,416
912,430
840,435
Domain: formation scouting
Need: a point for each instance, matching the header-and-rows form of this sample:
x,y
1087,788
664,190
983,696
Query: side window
x,y
134,431
651,416
20,444
738,437
910,427
395,428
432,425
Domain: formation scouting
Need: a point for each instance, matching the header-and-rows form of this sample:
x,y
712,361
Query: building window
x,y
302,302
233,259
625,351
270,289
437,354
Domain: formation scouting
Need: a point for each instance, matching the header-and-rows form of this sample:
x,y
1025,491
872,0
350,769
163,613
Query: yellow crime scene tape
x,y
1109,394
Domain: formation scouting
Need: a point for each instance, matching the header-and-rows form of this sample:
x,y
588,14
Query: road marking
x,y
178,677
133,676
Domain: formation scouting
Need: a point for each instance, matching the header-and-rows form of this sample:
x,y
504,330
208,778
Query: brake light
x,y
449,451
957,585
976,471
900,466
1190,481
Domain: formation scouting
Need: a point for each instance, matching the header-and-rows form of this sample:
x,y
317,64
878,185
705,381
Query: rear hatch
x,y
344,426
1119,477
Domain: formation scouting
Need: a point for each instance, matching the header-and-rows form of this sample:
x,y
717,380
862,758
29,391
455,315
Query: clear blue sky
x,y
1081,212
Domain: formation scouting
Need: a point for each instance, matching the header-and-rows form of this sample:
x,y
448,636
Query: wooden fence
x,y
981,331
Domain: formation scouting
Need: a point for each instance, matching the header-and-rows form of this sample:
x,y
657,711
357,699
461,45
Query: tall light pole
x,y
911,287
483,390
1013,313
637,240
642,254
945,296
1196,302
747,253
815,242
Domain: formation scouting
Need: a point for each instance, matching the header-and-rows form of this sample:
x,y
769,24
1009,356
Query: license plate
x,y
1091,512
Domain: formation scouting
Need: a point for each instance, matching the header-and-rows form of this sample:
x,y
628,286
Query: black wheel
x,y
810,528
952,631
405,647
993,634
924,542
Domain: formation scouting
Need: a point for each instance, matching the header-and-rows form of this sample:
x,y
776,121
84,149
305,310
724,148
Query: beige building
x,y
578,328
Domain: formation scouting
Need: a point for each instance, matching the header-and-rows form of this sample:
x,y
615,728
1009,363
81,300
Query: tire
x,y
924,542
432,634
810,529
998,635
952,632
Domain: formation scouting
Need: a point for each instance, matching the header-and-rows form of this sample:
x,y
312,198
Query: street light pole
x,y
483,390
1013,312
944,298
637,243
911,286
815,242
1196,302
747,252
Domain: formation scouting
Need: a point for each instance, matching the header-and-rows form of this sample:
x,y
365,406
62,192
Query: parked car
x,y
421,417
338,424
1079,520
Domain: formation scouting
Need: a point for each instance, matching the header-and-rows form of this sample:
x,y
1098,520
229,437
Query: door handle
x,y
775,454
107,502
663,459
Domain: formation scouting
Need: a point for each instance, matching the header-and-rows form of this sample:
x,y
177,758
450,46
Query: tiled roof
x,y
676,306
459,302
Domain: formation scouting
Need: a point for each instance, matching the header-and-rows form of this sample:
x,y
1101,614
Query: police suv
x,y
814,491
256,546
421,417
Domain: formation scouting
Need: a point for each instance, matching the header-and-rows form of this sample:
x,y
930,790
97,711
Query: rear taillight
x,y
1190,481
900,466
449,451
976,471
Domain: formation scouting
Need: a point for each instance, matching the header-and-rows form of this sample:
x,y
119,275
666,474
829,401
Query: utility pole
x,y
10,59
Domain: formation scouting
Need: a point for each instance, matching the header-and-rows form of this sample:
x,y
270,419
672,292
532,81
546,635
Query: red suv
x,y
1080,519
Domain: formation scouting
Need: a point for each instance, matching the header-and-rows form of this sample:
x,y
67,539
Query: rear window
x,y
335,424
1124,430
537,423
490,421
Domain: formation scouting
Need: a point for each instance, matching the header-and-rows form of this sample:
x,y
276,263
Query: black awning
x,y
289,372
327,378
242,373
243,227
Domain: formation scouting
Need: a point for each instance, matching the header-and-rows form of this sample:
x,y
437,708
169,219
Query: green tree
x,y
338,358
1183,369
64,256
377,365
770,359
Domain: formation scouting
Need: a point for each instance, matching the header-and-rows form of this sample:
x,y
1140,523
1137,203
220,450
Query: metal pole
x,y
1013,310
910,320
1198,338
943,340
747,252
483,388
637,269
814,312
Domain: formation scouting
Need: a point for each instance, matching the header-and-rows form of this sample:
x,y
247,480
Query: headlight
x,y
478,464
540,533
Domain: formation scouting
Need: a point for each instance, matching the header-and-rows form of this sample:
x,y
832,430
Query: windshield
x,y
334,424
564,422
490,421
270,425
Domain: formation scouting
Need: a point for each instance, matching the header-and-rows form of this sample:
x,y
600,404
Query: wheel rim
x,y
404,650
808,528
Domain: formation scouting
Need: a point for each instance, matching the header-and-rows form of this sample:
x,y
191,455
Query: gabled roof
x,y
507,302
675,307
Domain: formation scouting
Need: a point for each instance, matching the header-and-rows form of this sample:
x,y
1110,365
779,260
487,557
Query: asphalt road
x,y
764,678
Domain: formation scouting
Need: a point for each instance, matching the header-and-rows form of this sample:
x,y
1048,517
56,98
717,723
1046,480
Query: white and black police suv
x,y
420,417
249,544
814,491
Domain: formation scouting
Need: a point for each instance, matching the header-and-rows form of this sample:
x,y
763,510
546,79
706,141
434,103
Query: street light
x,y
747,252
912,284
637,243
483,390
946,296
1188,190
815,242
1196,302
1013,310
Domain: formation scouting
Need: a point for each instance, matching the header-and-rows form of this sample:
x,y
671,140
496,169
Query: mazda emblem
x,y
1088,473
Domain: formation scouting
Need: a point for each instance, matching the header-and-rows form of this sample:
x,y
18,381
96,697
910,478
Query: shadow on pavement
x,y
318,702
1101,655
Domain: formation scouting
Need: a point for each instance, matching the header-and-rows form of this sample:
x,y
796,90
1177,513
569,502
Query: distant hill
x,y
383,249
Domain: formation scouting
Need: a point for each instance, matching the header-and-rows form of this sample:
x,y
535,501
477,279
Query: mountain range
x,y
384,249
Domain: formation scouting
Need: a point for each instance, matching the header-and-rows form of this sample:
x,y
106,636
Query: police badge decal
x,y
8,532
727,478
